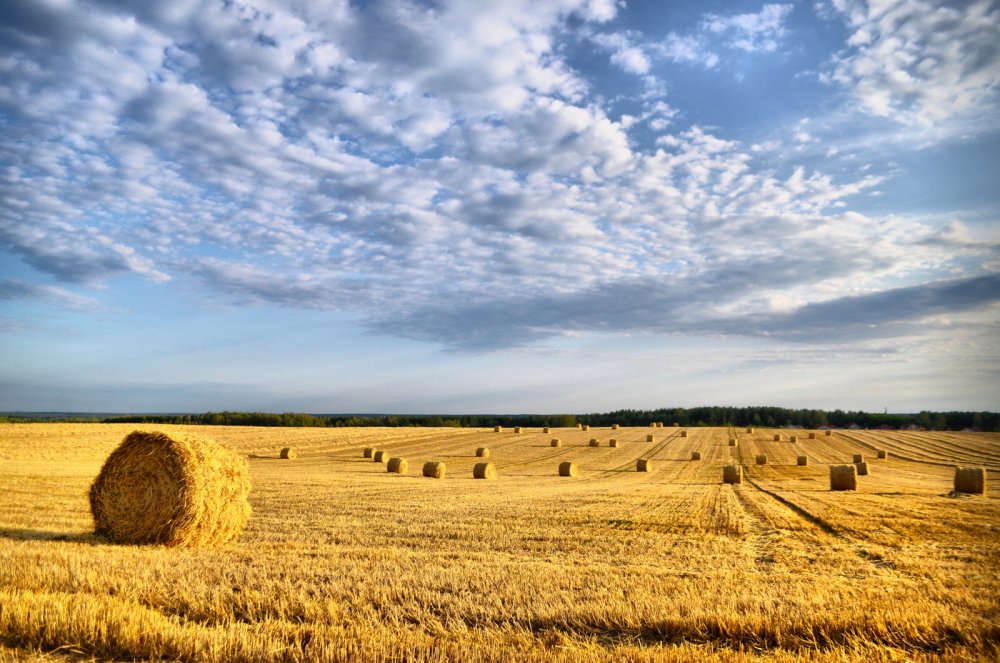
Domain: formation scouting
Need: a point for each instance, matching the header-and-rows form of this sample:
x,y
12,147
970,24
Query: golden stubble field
x,y
342,561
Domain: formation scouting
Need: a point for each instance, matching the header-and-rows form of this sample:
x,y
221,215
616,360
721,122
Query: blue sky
x,y
525,206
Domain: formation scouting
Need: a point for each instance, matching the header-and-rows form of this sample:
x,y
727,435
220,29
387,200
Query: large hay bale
x,y
381,456
368,452
482,452
556,442
517,430
498,429
793,438
970,480
397,466
650,438
585,427
684,433
812,436
829,433
858,458
777,437
613,442
594,442
289,453
862,468
652,424
733,442
579,426
484,471
882,454
545,430
749,430
695,455
732,474
615,426
843,477
175,490
762,459
644,465
434,469
568,469
802,461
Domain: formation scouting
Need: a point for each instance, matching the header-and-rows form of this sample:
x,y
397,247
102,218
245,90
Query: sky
x,y
532,206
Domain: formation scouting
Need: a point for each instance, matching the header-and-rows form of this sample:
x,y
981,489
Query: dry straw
x,y
650,438
381,456
644,465
369,452
484,471
434,469
175,490
517,430
829,433
545,430
843,477
812,436
732,474
733,442
970,480
695,455
498,429
882,454
615,426
749,430
858,458
777,437
652,424
289,453
793,438
802,461
568,469
613,442
556,442
482,452
594,442
862,468
684,433
762,459
397,466
585,427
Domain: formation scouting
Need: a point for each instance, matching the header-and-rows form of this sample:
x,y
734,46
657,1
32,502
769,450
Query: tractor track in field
x,y
871,447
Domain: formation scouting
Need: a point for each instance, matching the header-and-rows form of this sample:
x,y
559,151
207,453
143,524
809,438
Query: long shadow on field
x,y
44,535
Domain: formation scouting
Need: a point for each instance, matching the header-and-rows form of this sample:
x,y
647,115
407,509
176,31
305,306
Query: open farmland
x,y
342,561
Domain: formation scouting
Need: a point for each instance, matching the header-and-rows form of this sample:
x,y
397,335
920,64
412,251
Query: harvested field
x,y
341,560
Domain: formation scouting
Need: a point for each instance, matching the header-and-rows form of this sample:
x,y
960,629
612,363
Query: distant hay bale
x,y
843,477
613,442
579,426
644,465
862,468
568,469
289,453
369,452
777,437
674,425
545,430
652,424
174,490
585,427
434,469
793,438
829,433
882,454
684,433
762,459
733,442
498,429
484,471
482,452
517,430
615,426
381,456
802,461
749,430
594,442
858,458
812,436
695,455
397,466
650,438
556,442
732,474
970,480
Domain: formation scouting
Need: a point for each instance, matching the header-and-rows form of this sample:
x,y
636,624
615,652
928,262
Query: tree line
x,y
771,417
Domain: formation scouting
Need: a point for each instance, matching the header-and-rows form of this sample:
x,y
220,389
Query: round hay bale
x,y
828,433
585,427
289,453
568,469
368,452
594,442
793,438
802,461
482,452
397,466
862,468
970,480
882,454
652,424
498,429
733,442
175,490
650,438
858,458
484,471
732,474
695,455
381,457
812,436
615,426
545,430
613,442
556,442
434,469
843,477
644,465
579,426
749,430
777,437
762,459
674,425
684,433
517,430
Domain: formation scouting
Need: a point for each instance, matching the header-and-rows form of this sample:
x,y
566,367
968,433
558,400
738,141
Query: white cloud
x,y
752,33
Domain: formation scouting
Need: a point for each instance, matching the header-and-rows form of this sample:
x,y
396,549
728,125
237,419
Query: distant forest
x,y
698,416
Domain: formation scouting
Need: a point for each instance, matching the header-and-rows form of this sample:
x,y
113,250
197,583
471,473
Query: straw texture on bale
x,y
862,468
289,453
732,474
545,430
568,469
652,424
793,438
829,433
381,456
802,461
644,465
482,452
613,442
397,466
498,429
175,490
684,433
556,442
882,454
484,471
517,430
970,480
858,458
733,442
615,426
579,426
369,452
434,469
585,427
650,438
749,430
812,436
762,459
777,437
695,455
843,477
594,442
